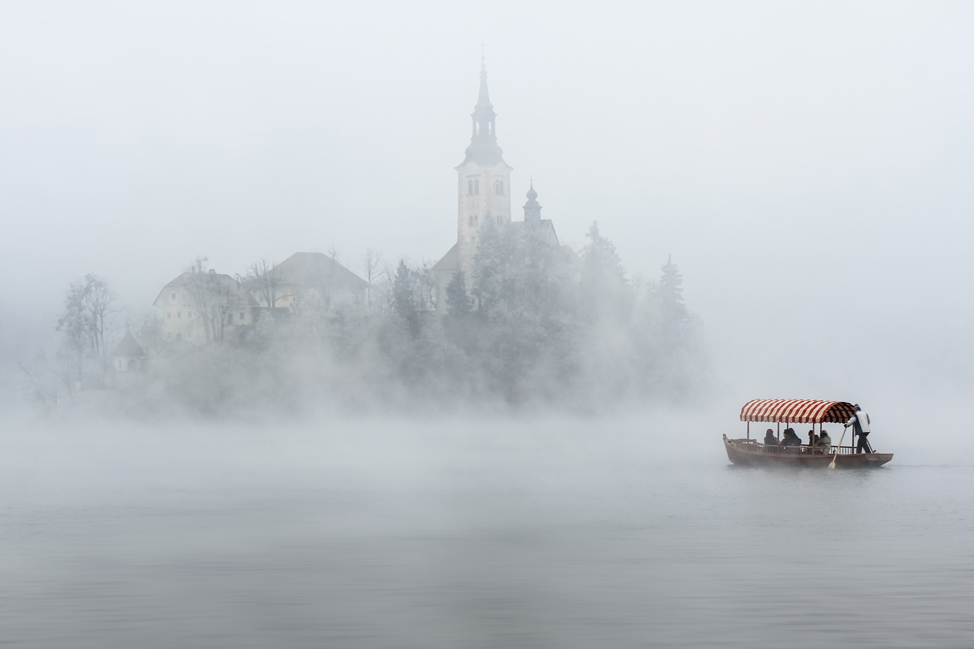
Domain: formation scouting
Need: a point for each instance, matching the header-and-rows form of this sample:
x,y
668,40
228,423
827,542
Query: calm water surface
x,y
173,541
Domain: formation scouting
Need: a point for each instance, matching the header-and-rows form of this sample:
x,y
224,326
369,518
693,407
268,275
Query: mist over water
x,y
629,531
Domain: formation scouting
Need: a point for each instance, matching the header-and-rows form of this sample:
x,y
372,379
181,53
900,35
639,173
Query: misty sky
x,y
808,166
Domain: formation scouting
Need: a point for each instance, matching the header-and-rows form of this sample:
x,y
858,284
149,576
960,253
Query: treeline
x,y
533,325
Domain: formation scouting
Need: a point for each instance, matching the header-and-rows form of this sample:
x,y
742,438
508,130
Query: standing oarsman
x,y
860,427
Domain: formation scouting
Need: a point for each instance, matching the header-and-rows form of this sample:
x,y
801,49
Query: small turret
x,y
532,209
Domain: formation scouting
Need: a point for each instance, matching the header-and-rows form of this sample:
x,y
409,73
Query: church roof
x,y
544,226
450,261
128,347
570,256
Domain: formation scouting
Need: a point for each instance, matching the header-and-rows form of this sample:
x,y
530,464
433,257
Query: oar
x,y
832,464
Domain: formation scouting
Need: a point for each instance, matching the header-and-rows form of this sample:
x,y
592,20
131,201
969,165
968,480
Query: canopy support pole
x,y
749,430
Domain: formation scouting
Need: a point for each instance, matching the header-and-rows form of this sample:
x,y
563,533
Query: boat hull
x,y
750,453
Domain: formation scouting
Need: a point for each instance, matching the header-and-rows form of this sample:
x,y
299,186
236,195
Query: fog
x,y
806,166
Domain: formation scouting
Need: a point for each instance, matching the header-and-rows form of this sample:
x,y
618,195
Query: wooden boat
x,y
752,452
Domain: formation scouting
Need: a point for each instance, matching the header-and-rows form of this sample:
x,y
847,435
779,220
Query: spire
x,y
483,99
532,209
483,147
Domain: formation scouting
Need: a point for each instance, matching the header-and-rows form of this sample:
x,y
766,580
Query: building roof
x,y
317,270
543,226
483,148
450,261
128,347
211,277
483,99
570,255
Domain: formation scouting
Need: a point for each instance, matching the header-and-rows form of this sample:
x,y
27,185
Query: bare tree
x,y
199,294
40,382
88,308
264,281
213,297
371,261
333,253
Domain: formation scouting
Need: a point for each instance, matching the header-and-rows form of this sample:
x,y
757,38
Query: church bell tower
x,y
483,180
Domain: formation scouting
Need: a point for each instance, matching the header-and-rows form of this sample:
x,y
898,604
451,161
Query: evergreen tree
x,y
603,292
674,317
489,265
404,297
457,301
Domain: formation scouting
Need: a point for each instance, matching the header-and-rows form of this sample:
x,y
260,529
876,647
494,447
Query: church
x,y
484,194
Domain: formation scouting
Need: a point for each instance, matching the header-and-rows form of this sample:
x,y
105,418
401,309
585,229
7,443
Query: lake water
x,y
446,534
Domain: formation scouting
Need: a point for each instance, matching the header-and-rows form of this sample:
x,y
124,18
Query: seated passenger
x,y
790,438
769,438
825,442
811,439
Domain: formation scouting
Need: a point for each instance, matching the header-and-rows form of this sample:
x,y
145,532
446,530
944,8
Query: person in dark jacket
x,y
769,438
790,438
860,427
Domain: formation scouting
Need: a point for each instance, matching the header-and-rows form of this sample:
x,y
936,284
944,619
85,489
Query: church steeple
x,y
483,100
483,147
532,209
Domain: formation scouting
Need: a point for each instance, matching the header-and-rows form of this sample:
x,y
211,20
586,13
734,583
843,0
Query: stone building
x,y
483,194
200,307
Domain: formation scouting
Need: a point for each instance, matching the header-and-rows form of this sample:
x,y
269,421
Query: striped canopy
x,y
798,411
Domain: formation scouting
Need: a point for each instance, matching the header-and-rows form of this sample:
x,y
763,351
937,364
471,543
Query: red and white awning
x,y
797,411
